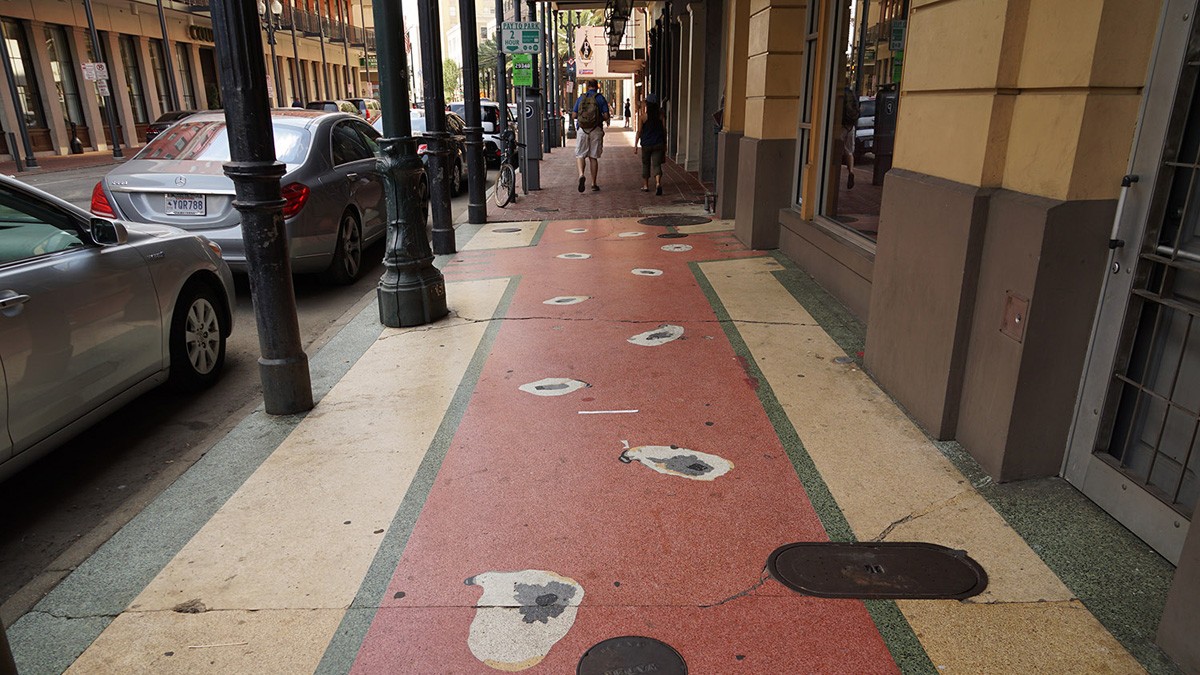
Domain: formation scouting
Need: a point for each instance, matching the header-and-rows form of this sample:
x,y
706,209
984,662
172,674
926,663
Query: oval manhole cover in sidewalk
x,y
672,235
631,654
674,221
877,570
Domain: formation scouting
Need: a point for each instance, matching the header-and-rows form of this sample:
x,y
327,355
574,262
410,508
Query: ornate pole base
x,y
413,298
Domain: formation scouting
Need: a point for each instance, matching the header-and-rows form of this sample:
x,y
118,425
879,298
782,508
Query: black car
x,y
456,163
165,120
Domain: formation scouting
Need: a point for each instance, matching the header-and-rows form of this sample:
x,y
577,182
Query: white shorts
x,y
589,143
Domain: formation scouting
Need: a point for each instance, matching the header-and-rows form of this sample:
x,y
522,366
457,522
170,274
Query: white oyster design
x,y
659,336
574,256
566,300
521,616
646,272
677,248
676,461
577,230
631,234
553,386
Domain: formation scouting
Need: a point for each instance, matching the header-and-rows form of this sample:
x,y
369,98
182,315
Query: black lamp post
x,y
412,291
299,80
269,22
437,146
476,172
283,366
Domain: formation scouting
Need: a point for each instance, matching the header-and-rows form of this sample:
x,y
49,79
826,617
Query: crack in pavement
x,y
936,506
764,576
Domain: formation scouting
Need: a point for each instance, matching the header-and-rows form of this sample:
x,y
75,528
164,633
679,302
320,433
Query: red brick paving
x,y
64,163
620,180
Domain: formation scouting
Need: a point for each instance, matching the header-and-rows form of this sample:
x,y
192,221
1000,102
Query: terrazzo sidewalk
x,y
607,437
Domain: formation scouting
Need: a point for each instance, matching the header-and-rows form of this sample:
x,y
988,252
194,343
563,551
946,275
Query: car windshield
x,y
208,141
866,108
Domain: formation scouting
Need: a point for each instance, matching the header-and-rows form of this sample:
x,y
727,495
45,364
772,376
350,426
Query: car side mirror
x,y
489,128
107,232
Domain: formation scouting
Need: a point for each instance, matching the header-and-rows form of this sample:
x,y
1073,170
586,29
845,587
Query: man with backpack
x,y
591,112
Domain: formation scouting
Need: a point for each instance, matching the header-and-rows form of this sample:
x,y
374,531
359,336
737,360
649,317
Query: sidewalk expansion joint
x,y
466,321
932,508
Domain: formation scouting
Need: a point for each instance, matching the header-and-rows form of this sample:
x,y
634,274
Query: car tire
x,y
346,265
197,338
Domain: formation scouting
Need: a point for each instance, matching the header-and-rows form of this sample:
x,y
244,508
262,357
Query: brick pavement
x,y
64,162
620,180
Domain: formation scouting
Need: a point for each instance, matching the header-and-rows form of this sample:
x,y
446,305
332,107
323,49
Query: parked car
x,y
457,161
94,313
864,132
335,203
490,114
368,108
165,120
334,106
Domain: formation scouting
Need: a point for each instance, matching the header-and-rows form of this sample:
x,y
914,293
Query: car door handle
x,y
10,301
352,176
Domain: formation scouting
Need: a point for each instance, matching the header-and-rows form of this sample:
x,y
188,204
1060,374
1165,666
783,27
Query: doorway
x,y
1135,446
208,72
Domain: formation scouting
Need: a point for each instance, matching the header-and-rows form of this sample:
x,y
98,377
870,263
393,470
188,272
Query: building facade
x,y
157,65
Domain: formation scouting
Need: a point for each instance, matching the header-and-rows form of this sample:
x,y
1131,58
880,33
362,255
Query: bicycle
x,y
506,180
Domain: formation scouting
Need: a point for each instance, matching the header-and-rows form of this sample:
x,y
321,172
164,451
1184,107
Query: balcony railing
x,y
308,23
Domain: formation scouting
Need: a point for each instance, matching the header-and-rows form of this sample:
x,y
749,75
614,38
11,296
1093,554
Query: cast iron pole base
x,y
413,297
287,388
476,177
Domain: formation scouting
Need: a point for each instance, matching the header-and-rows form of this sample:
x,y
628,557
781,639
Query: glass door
x,y
1135,448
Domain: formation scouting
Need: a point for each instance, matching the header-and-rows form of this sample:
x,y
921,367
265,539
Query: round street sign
x,y
528,111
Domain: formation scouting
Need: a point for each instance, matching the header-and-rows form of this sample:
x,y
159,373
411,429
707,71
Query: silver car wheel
x,y
202,336
351,245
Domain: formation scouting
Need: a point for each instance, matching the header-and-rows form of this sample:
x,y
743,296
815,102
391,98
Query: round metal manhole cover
x,y
506,230
672,235
632,654
674,221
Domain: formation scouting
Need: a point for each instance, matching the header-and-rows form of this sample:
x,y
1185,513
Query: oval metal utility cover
x,y
632,654
574,256
506,230
677,248
672,235
877,570
646,272
674,220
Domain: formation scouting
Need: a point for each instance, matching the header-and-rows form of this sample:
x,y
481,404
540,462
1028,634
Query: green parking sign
x,y
522,70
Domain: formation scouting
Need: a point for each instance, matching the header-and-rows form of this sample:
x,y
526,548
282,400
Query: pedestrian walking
x,y
849,127
628,115
591,112
296,102
652,136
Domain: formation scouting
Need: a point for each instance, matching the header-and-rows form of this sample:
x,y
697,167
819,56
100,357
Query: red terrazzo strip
x,y
529,483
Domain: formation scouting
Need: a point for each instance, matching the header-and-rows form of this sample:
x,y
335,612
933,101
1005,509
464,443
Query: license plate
x,y
186,205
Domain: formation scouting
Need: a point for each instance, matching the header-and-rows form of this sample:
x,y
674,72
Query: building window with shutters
x,y
158,65
183,68
63,66
22,65
133,78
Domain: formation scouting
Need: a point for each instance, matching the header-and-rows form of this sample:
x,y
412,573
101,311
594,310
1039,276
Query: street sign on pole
x,y
521,37
522,70
89,71
101,70
102,88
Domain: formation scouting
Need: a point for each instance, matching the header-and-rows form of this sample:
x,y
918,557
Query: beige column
x,y
8,109
87,90
197,75
696,124
683,86
737,35
149,82
767,154
55,119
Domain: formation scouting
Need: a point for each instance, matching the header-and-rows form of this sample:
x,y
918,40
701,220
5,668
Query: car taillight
x,y
422,148
295,196
100,205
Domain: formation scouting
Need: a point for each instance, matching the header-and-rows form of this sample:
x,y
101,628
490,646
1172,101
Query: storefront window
x,y
859,77
183,70
22,65
63,67
158,65
133,78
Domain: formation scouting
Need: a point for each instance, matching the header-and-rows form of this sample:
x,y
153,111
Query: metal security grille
x,y
1153,407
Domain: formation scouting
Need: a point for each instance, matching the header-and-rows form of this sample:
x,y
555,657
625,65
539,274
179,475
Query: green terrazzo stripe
x,y
343,648
1121,580
537,236
897,634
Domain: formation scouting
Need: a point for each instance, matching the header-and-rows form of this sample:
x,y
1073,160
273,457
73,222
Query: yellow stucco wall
x,y
737,17
774,68
1038,96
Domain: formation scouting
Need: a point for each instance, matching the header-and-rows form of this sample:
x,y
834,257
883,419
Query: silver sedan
x,y
94,313
335,204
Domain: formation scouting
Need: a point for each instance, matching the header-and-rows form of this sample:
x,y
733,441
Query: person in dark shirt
x,y
652,136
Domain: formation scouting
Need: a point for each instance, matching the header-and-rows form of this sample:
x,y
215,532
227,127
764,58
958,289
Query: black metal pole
x,y
545,73
501,68
345,21
362,13
283,366
166,43
269,19
435,128
476,171
299,79
30,161
412,291
324,64
109,112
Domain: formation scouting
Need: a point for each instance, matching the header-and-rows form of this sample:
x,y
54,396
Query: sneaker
x,y
850,181
658,191
595,188
581,182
